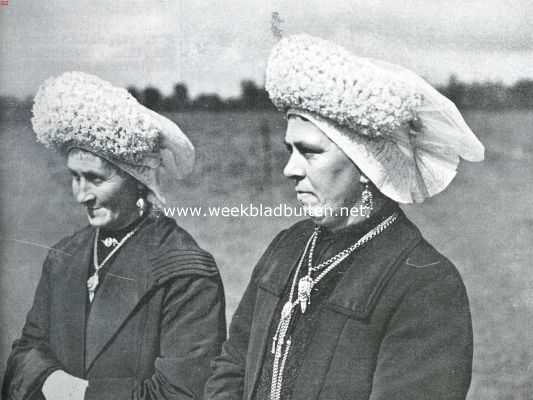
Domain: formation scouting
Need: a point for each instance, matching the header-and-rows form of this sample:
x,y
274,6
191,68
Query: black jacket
x,y
155,323
396,326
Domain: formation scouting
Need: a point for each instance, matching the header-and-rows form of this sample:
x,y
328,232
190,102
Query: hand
x,y
62,386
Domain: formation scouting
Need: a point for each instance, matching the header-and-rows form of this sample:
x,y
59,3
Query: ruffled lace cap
x,y
404,135
81,110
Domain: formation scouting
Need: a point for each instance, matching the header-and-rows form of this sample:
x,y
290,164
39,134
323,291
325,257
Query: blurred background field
x,y
483,222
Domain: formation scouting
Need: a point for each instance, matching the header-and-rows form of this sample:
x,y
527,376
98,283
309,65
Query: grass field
x,y
483,223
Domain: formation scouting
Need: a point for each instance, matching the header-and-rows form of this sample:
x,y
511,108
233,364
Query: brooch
x,y
110,241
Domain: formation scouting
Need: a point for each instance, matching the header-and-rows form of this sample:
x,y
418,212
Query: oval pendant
x,y
305,284
92,282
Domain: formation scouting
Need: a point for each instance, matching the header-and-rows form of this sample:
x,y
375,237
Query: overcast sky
x,y
213,45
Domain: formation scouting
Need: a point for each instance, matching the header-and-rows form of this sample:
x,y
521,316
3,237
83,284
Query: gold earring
x,y
367,198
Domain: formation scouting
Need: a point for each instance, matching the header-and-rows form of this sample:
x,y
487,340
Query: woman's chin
x,y
100,221
317,215
97,222
110,220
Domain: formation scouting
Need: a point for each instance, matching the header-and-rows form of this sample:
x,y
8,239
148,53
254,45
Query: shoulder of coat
x,y
173,252
424,269
424,255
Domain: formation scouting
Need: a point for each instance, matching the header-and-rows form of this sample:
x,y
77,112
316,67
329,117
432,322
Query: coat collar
x,y
125,283
159,252
359,289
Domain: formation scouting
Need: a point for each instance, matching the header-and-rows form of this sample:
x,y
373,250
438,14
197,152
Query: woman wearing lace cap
x,y
129,307
353,303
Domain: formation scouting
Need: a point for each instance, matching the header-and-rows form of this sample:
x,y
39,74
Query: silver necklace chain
x,y
94,281
346,252
280,346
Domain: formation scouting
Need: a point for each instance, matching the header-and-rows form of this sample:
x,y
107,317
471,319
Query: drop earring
x,y
367,198
141,205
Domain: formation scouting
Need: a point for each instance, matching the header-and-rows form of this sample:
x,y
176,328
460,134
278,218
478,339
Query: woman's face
x,y
108,194
325,178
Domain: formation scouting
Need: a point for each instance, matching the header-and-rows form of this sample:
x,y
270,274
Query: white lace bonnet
x,y
79,110
403,134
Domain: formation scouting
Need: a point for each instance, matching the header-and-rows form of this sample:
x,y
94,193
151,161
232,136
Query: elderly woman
x,y
354,303
129,307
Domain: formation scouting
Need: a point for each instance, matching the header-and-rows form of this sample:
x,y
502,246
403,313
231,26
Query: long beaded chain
x,y
281,331
280,346
94,281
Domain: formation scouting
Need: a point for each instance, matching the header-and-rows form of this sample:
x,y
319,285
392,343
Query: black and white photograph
x,y
266,200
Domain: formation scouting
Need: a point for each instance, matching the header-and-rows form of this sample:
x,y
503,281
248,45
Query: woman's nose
x,y
294,167
82,192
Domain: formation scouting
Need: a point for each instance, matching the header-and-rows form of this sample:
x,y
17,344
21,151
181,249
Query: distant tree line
x,y
477,95
252,97
489,95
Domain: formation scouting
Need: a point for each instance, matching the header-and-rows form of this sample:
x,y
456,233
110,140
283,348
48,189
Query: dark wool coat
x,y
396,326
155,323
